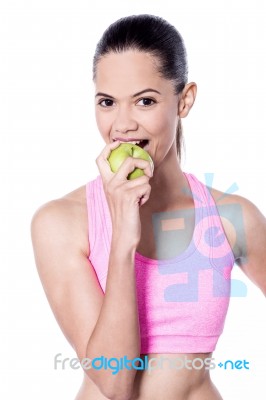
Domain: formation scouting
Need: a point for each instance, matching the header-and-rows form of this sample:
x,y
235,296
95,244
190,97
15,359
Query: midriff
x,y
167,380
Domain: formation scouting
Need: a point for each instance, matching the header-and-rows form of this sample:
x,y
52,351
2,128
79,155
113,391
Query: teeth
x,y
135,142
132,142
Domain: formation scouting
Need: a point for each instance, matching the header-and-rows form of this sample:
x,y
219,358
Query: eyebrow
x,y
134,95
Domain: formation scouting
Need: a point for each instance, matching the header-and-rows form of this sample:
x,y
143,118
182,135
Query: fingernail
x,y
152,167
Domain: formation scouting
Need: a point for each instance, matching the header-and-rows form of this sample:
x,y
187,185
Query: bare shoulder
x,y
59,230
242,220
249,209
250,229
65,216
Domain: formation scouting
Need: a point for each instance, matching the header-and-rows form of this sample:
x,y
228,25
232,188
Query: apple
x,y
125,150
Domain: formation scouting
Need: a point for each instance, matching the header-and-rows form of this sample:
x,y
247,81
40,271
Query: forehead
x,y
129,71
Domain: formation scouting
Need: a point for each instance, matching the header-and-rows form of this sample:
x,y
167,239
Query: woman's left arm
x,y
253,248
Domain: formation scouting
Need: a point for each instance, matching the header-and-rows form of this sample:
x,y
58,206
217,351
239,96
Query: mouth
x,y
141,143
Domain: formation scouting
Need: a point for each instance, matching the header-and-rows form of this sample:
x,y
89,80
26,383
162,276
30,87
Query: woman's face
x,y
133,102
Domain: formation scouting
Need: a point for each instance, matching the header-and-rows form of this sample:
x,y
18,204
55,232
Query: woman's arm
x,y
253,248
116,333
247,234
93,324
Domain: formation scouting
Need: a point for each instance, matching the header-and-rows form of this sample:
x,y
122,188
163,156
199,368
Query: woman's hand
x,y
125,196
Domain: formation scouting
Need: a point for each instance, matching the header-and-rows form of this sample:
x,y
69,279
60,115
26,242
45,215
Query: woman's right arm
x,y
117,332
94,324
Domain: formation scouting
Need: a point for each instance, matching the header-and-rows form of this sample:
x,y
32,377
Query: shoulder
x,y
251,213
248,221
60,246
250,227
64,219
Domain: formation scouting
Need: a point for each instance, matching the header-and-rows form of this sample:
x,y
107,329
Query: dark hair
x,y
153,35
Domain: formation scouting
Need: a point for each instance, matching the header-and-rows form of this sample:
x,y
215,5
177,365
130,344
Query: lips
x,y
140,142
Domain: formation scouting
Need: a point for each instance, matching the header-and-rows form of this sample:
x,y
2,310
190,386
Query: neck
x,y
168,184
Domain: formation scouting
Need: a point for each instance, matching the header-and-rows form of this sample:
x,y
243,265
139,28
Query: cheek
x,y
102,122
163,123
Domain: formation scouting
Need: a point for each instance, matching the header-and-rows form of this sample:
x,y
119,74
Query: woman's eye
x,y
142,102
106,103
146,102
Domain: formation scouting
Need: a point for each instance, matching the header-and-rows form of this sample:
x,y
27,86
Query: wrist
x,y
122,248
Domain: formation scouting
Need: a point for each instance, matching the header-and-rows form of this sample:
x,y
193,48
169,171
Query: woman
x,y
141,268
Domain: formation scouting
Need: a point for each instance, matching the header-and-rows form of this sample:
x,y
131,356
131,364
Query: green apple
x,y
125,150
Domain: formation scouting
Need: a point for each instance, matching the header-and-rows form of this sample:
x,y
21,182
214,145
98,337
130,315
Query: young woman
x,y
141,268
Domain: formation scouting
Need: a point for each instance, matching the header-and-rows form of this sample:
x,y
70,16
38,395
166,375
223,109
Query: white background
x,y
50,142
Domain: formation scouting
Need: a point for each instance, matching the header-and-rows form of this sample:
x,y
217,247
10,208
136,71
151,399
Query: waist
x,y
175,377
171,376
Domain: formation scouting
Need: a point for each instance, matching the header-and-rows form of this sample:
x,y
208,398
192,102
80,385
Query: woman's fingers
x,y
129,166
102,160
125,196
142,190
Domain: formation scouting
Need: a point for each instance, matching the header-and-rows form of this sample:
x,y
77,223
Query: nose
x,y
124,121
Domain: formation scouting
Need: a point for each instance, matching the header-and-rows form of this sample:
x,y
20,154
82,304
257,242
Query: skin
x,y
129,117
70,283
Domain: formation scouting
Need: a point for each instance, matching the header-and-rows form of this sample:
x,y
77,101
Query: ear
x,y
187,98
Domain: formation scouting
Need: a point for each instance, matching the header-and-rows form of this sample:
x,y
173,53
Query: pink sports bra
x,y
182,300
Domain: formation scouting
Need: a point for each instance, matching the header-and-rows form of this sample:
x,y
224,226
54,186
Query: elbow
x,y
117,392
117,395
112,389
114,386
